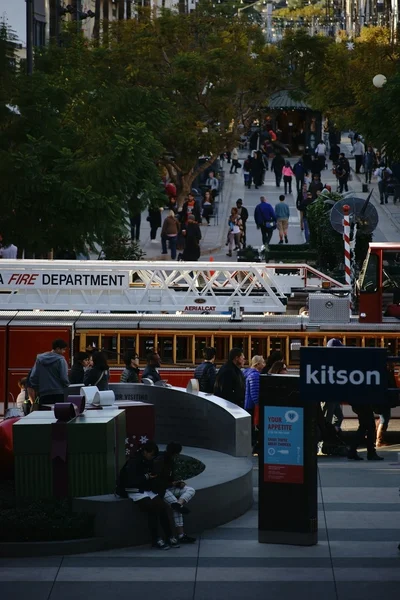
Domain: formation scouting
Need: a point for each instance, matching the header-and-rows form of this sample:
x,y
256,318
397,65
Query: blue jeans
x,y
306,229
172,245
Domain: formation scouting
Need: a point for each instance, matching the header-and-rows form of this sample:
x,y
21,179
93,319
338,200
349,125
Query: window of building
x,y
39,33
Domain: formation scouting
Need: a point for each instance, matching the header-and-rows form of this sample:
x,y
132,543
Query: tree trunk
x,y
184,187
129,9
106,16
96,28
121,10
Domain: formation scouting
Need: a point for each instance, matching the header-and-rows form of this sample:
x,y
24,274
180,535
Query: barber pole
x,y
346,237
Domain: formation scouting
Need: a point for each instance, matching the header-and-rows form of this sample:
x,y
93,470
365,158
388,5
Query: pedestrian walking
x,y
320,153
303,207
247,171
265,218
235,229
358,151
287,177
282,214
342,171
315,186
369,163
252,392
135,221
208,208
382,173
235,161
230,383
257,169
192,234
278,162
244,215
169,233
206,373
301,197
307,160
154,218
299,172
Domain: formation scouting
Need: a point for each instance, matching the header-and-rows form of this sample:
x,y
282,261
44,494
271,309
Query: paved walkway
x,y
214,237
356,557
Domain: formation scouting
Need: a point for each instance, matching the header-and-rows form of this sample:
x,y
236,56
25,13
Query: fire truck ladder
x,y
155,287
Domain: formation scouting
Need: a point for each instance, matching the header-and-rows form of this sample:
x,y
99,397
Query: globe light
x,y
379,81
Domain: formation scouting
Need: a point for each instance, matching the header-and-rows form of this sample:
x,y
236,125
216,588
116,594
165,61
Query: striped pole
x,y
346,237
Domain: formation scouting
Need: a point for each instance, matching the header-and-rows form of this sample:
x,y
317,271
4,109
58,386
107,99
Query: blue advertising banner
x,y
341,374
283,444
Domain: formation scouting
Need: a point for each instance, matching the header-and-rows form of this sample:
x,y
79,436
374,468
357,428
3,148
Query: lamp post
x,y
379,81
29,36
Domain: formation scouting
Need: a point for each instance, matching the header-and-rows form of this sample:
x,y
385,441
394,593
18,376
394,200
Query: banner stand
x,y
288,503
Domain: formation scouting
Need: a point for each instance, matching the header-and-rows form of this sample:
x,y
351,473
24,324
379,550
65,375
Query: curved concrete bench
x,y
224,491
196,420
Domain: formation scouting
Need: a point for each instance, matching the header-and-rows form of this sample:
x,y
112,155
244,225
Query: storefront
x,y
294,122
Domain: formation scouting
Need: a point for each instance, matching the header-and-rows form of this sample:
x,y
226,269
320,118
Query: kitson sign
x,y
340,374
63,279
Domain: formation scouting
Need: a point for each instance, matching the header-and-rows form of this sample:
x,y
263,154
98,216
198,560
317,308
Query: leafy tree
x,y
77,151
214,72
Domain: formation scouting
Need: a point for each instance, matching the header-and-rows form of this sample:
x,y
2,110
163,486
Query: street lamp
x,y
379,81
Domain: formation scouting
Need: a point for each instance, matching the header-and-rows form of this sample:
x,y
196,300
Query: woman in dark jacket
x,y
257,169
98,375
154,219
192,240
77,373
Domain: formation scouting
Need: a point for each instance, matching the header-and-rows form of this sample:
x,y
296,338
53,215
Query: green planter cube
x,y
95,453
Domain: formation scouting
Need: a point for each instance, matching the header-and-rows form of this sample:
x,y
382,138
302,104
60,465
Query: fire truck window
x,y
127,344
109,346
146,345
369,274
200,344
184,349
259,346
276,343
222,348
353,342
165,348
315,342
240,342
391,346
294,351
92,341
371,343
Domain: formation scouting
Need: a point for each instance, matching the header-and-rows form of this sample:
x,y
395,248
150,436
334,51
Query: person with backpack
x,y
206,373
138,482
382,173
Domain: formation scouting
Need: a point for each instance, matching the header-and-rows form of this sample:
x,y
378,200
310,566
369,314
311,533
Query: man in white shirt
x,y
320,152
9,251
213,183
358,151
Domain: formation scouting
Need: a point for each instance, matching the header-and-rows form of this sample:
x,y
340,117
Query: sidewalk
x,y
356,557
214,237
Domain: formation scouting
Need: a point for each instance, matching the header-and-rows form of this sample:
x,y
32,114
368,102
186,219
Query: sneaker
x,y
353,455
374,456
174,543
186,539
164,252
281,241
180,508
154,241
161,545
